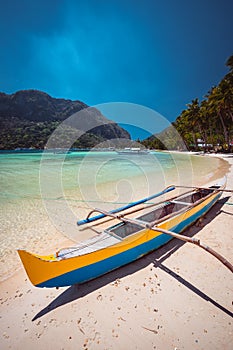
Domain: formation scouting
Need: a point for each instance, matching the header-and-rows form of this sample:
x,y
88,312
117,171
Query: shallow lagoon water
x,y
42,195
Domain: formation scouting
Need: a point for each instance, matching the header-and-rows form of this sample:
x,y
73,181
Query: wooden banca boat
x,y
126,240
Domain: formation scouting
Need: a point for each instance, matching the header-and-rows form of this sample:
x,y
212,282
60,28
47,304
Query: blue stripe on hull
x,y
102,267
89,272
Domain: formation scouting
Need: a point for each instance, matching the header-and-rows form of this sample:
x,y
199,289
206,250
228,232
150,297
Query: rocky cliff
x,y
29,117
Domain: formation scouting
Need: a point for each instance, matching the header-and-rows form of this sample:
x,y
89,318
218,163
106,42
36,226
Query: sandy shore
x,y
178,297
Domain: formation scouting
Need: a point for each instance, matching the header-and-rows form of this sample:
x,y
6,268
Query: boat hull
x,y
49,272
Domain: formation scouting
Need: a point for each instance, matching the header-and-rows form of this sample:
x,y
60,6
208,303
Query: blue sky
x,y
157,53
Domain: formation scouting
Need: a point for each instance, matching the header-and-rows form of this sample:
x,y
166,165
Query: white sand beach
x,y
178,297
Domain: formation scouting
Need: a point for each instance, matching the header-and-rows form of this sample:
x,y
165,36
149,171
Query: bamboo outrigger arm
x,y
152,227
197,242
130,205
205,188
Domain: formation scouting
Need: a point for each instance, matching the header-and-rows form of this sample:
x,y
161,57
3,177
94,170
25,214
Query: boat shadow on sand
x,y
156,258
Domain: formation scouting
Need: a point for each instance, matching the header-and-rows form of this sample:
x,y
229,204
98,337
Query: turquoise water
x,y
20,171
42,195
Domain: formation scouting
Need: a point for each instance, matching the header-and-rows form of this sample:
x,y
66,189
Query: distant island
x,y
205,125
29,117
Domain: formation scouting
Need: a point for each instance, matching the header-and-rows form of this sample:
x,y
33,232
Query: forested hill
x,y
206,124
28,118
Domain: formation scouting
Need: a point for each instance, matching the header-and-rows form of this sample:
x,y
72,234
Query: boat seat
x,y
180,202
93,244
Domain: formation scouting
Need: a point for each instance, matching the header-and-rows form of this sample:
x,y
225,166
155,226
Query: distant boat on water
x,y
133,150
58,150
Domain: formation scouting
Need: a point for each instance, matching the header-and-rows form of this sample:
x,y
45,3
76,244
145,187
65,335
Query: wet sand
x,y
178,297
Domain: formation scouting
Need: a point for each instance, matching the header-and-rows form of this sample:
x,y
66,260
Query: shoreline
x,y
33,223
177,297
43,233
64,240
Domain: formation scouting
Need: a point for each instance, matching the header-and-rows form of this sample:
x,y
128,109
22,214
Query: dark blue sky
x,y
157,53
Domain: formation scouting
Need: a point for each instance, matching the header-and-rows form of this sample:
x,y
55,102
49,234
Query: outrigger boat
x,y
125,241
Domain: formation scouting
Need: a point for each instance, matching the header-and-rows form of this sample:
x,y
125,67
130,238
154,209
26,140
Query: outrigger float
x,y
127,240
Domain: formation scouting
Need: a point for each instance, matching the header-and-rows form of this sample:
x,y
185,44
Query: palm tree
x,y
212,120
229,63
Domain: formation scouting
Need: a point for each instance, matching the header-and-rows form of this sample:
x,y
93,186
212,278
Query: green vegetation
x,y
37,135
27,135
29,118
204,125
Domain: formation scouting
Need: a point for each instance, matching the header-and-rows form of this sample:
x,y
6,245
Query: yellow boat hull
x,y
49,271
